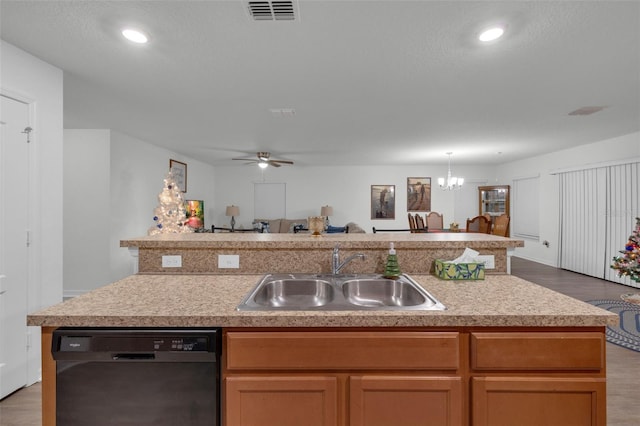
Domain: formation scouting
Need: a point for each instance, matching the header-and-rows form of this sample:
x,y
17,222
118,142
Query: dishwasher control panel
x,y
97,341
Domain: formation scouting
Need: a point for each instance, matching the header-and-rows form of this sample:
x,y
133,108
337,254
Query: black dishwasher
x,y
134,376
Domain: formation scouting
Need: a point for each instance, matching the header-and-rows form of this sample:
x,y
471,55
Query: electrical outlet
x,y
226,261
489,261
172,261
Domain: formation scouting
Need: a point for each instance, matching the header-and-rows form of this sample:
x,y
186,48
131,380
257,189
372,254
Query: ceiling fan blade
x,y
273,163
282,161
246,159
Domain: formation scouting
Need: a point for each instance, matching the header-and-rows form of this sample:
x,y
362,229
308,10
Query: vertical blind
x,y
598,208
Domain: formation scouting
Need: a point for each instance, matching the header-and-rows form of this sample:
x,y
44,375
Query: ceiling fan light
x,y
263,165
135,36
491,34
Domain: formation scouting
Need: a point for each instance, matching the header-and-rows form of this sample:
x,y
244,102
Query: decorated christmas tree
x,y
629,263
170,215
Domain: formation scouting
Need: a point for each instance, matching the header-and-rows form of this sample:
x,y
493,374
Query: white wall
x,y
28,78
87,210
620,148
137,172
346,188
111,186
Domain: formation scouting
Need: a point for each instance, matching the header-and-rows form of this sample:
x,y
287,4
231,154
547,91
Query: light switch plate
x,y
172,261
489,261
226,261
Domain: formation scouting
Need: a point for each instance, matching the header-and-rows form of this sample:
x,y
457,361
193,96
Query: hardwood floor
x,y
22,408
623,365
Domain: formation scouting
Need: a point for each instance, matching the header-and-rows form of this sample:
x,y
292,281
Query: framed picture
x,y
418,194
383,201
179,173
195,213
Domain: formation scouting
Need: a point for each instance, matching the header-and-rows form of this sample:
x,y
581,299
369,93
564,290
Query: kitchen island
x,y
505,351
305,253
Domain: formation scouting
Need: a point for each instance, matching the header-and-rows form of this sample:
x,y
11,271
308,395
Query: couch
x,y
278,226
283,226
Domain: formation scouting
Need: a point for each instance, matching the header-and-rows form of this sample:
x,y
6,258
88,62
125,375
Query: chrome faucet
x,y
336,266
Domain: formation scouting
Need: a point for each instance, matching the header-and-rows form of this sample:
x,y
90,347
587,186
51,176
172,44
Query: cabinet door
x,y
405,400
531,401
281,401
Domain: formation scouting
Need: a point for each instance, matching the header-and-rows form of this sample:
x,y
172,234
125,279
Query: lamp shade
x,y
233,211
326,211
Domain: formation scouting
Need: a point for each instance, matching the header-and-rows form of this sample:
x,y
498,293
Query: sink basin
x,y
382,292
327,292
294,293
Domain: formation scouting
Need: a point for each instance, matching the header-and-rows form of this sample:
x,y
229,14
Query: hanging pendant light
x,y
452,183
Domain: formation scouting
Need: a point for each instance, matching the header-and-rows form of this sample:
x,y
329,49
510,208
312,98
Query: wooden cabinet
x,y
405,400
342,378
494,200
494,377
534,401
538,378
281,401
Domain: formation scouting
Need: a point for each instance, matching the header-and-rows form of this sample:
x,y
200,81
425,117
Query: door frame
x,y
34,290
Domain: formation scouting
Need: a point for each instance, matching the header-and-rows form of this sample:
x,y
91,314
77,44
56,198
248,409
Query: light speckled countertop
x,y
210,300
306,241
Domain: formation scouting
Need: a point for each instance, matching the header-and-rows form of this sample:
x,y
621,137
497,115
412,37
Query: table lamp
x,y
233,211
326,211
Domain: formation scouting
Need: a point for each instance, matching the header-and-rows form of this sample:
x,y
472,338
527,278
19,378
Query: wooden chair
x,y
479,224
501,225
434,221
420,226
412,222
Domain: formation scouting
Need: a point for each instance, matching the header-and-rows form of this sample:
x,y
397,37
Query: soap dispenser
x,y
392,269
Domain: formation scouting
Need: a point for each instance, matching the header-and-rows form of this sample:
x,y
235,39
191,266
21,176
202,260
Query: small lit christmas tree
x,y
170,215
629,263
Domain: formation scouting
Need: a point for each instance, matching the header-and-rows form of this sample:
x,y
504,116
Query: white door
x,y
14,208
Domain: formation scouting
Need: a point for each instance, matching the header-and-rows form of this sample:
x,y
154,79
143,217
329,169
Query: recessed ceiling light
x,y
491,34
135,36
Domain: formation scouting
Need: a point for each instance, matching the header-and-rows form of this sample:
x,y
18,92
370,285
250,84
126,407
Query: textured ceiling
x,y
371,82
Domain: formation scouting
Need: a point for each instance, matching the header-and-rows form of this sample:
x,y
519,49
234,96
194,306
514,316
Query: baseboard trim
x,y
533,259
70,294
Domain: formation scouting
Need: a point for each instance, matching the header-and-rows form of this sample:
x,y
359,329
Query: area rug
x,y
631,298
627,333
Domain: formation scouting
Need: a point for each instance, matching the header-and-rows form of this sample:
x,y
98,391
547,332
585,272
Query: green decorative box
x,y
459,271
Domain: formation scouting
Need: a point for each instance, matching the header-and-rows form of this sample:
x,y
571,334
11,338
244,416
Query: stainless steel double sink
x,y
340,292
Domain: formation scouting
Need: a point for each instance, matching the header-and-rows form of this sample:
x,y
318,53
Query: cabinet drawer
x,y
342,350
538,351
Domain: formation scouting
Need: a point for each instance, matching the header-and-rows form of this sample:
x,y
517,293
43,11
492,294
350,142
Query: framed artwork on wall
x,y
179,173
195,213
418,194
383,201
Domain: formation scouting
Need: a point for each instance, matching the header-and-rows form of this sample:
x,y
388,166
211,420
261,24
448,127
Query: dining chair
x,y
420,226
501,225
479,224
412,222
434,221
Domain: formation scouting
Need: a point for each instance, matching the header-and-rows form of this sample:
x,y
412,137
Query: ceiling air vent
x,y
272,10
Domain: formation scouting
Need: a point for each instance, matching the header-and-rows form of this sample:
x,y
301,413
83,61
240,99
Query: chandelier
x,y
452,183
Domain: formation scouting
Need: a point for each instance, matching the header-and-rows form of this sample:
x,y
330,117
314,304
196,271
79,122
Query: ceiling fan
x,y
264,160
